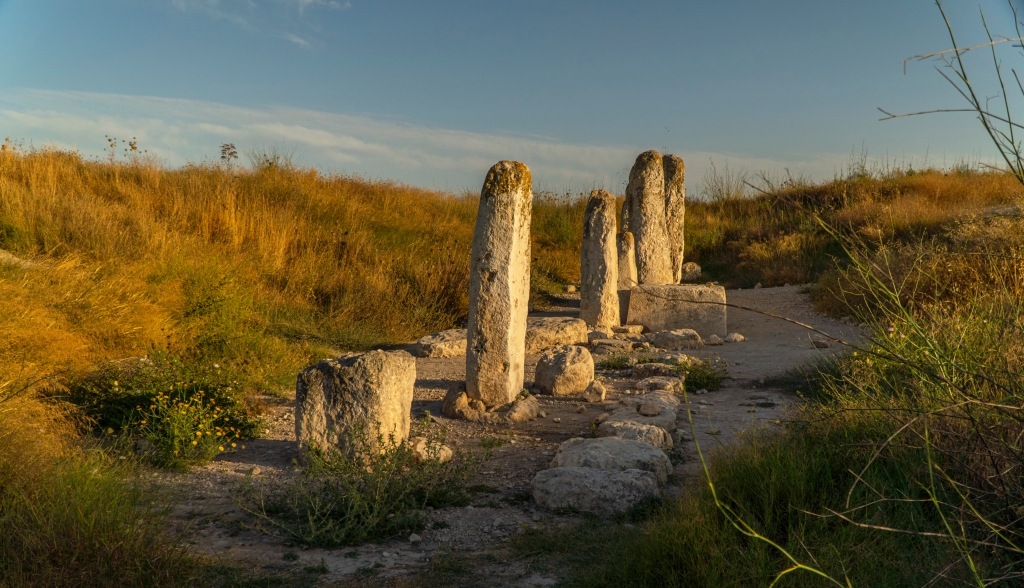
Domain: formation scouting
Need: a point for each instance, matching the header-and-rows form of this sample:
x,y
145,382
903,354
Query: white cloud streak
x,y
180,131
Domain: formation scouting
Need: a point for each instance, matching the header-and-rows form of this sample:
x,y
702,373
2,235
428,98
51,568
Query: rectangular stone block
x,y
666,307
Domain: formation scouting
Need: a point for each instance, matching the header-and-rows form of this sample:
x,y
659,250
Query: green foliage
x,y
706,374
185,407
378,491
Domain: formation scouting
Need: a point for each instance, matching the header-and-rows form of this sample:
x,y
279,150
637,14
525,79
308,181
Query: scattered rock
x,y
422,451
701,391
821,344
713,340
372,389
599,333
523,409
569,288
757,286
734,338
581,408
654,436
601,418
566,370
629,329
456,404
649,409
667,383
254,471
557,419
545,332
648,370
613,453
450,343
414,538
690,272
595,392
678,339
597,491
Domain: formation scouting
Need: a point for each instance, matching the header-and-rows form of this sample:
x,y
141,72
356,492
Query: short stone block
x,y
666,307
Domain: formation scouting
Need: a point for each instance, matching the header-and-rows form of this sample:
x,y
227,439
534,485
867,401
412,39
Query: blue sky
x,y
433,93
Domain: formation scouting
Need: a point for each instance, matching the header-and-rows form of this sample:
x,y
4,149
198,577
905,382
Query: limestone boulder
x,y
634,431
546,332
450,343
690,272
566,370
523,409
671,384
649,370
601,492
499,285
676,340
713,340
613,453
423,450
595,392
456,404
336,397
734,338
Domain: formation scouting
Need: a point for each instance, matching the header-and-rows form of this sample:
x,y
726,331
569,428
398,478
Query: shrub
x,y
367,495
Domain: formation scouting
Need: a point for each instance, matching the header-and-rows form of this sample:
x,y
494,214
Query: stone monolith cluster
x,y
643,214
499,286
675,211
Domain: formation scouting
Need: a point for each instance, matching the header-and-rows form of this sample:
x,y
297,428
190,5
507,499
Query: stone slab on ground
x,y
613,453
450,343
602,492
545,332
667,307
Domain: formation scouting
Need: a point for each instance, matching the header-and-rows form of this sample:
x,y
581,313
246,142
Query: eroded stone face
x,y
675,211
450,343
643,214
599,263
613,453
565,371
499,285
336,396
679,306
603,492
547,332
627,260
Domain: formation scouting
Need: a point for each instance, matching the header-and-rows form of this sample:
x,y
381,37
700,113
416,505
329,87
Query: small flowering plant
x,y
184,429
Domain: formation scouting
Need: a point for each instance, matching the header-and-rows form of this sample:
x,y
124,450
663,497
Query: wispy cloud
x,y
263,16
185,130
295,39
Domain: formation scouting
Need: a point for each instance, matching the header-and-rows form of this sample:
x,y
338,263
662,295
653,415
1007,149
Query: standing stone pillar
x,y
499,285
599,263
643,214
627,261
675,211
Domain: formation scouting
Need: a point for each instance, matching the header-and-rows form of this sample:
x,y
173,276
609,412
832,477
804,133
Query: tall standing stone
x,y
599,263
499,285
675,211
627,261
643,214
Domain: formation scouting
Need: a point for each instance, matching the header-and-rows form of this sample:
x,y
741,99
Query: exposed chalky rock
x,y
456,404
335,397
566,370
734,338
667,383
690,272
422,450
595,392
613,453
523,409
713,340
632,430
601,492
450,343
627,260
599,334
599,263
678,339
647,370
629,329
545,332
643,214
499,285
675,211
679,306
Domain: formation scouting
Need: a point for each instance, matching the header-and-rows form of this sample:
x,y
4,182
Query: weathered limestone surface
x,y
450,343
599,263
627,260
373,390
643,214
679,306
545,332
690,272
675,211
613,453
499,285
566,370
602,492
677,339
632,430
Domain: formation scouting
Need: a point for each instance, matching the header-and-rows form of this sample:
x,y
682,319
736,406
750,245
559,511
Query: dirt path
x,y
517,451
